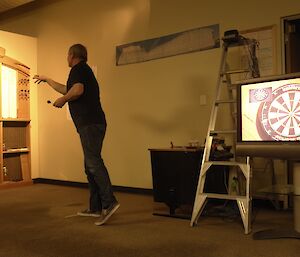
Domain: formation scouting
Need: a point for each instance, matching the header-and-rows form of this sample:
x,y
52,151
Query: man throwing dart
x,y
82,95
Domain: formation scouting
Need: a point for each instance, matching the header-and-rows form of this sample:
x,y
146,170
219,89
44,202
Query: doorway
x,y
291,46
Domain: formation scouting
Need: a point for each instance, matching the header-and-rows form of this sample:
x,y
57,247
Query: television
x,y
269,117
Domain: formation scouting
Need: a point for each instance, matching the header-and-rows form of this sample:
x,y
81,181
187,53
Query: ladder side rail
x,y
233,109
212,121
250,46
249,178
245,204
231,96
213,114
208,141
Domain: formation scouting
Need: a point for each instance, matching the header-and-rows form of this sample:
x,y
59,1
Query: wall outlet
x,y
202,99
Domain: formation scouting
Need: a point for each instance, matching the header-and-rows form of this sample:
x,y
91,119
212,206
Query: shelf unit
x,y
15,154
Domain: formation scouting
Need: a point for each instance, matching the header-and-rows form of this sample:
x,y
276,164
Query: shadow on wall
x,y
187,115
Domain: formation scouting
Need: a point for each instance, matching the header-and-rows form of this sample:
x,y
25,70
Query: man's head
x,y
76,54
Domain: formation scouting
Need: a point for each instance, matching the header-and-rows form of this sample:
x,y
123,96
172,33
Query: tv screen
x,y
269,116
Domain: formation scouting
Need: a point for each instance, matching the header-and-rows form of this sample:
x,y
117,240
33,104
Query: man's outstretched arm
x,y
60,88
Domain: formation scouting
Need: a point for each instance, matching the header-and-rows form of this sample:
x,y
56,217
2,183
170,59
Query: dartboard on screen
x,y
271,111
280,118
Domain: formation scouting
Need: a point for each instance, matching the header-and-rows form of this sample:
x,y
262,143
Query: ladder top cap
x,y
231,36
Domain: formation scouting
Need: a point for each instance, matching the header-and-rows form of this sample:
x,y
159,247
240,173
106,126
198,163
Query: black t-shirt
x,y
85,110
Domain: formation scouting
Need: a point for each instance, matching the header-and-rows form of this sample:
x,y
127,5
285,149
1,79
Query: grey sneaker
x,y
89,213
106,213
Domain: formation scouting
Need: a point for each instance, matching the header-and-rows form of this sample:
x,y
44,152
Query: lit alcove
x,y
9,92
15,122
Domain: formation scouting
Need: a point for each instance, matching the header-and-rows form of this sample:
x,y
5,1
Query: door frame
x,y
283,39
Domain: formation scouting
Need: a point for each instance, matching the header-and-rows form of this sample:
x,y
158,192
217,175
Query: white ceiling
x,y
6,5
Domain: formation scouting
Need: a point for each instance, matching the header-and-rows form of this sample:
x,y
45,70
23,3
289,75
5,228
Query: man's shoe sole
x,y
99,223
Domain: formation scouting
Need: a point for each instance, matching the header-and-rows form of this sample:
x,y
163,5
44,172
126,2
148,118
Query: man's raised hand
x,y
39,79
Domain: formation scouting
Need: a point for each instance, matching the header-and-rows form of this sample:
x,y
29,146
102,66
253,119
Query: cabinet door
x,y
12,168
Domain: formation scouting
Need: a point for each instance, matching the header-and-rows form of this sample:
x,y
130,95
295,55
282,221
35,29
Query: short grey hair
x,y
79,51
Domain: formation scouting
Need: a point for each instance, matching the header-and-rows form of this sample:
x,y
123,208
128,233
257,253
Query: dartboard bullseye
x,y
280,118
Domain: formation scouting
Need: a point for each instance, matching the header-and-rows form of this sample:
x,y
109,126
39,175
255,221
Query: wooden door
x,y
292,46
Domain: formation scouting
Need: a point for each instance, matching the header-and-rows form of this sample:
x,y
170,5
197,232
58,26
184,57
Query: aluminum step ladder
x,y
231,39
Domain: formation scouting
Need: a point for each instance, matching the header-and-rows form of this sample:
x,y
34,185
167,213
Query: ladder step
x,y
224,196
235,72
226,101
213,132
230,85
233,86
224,163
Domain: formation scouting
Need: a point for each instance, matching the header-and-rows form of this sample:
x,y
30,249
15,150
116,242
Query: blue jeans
x,y
101,193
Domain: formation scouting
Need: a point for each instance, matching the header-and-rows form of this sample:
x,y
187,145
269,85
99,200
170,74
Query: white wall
x,y
24,49
147,104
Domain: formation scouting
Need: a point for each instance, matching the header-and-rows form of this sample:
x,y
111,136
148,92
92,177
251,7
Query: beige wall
x,y
24,49
147,104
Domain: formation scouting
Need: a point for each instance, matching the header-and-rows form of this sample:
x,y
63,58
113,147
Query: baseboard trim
x,y
59,182
134,190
